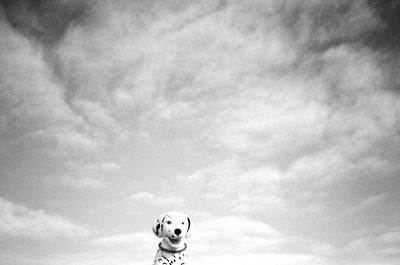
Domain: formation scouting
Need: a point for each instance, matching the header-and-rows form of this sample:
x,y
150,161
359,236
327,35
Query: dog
x,y
173,227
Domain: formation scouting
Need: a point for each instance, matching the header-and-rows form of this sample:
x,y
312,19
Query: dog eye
x,y
183,223
169,222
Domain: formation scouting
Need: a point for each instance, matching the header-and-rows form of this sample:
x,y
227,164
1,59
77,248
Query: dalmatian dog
x,y
173,227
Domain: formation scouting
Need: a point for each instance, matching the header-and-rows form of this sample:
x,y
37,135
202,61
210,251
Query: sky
x,y
274,124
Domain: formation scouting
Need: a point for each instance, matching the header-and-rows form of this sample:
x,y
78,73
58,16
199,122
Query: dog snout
x,y
177,231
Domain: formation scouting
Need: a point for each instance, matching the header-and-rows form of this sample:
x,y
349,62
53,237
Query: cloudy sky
x,y
274,124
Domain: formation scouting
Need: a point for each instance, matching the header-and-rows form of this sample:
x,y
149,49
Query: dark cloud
x,y
43,20
388,37
321,25
387,40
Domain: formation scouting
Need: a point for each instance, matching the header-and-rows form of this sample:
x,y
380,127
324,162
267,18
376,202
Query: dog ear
x,y
188,234
157,226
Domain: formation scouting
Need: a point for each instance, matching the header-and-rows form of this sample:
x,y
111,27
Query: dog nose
x,y
177,231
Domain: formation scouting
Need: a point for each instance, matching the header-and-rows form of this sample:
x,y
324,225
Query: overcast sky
x,y
274,124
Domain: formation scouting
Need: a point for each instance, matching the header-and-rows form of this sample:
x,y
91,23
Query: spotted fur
x,y
168,258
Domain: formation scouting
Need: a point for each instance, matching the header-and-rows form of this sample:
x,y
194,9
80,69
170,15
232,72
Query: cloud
x,y
20,221
231,234
33,108
284,259
120,83
376,244
90,169
365,205
241,239
99,258
102,167
45,21
109,166
321,24
238,189
282,101
159,200
390,237
139,239
84,176
120,248
77,182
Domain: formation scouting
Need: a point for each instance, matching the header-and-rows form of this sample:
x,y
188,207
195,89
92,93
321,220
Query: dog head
x,y
173,227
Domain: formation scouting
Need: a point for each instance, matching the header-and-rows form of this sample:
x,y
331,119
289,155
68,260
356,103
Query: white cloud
x,y
241,92
109,166
159,200
84,176
20,221
327,22
94,168
123,248
253,259
261,203
244,240
375,244
242,88
77,182
367,204
231,234
33,108
390,237
139,239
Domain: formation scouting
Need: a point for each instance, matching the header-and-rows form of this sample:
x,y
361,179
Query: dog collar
x,y
172,251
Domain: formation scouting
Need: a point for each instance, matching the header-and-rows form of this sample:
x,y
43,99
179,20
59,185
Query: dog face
x,y
173,227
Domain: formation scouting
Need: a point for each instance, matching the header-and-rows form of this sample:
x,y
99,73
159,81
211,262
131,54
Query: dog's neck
x,y
164,246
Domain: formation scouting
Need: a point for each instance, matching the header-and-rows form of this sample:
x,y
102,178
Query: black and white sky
x,y
275,124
